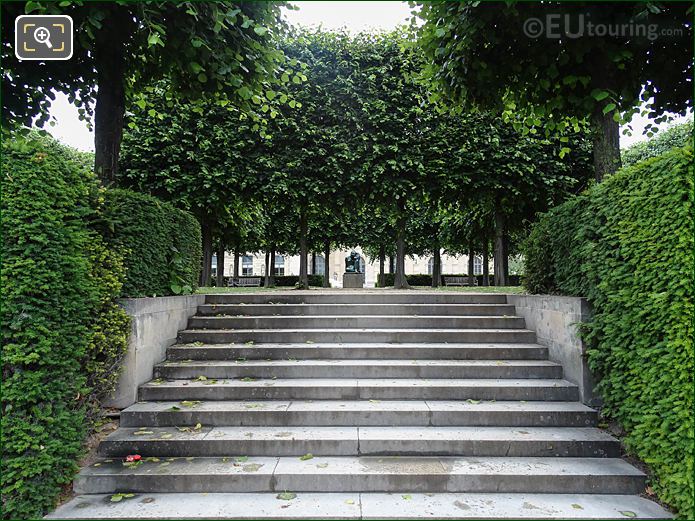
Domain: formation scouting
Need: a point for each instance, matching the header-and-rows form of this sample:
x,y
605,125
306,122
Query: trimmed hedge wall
x,y
162,244
282,280
426,280
627,245
62,331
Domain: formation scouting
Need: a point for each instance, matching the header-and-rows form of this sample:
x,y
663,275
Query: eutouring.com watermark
x,y
580,25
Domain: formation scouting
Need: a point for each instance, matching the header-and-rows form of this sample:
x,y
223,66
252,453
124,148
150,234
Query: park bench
x,y
459,281
245,282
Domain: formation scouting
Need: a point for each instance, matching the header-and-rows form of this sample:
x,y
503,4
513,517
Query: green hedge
x,y
627,245
162,244
62,333
426,280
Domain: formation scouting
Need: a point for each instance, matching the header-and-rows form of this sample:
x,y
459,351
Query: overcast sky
x,y
353,16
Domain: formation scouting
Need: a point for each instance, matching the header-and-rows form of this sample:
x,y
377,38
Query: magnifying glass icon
x,y
43,35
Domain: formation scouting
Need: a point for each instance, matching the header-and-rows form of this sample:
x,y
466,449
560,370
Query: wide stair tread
x,y
363,505
364,474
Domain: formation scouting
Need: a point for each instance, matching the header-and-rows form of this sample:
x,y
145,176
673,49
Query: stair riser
x,y
351,447
323,482
564,394
302,371
257,417
358,309
260,336
359,298
355,323
353,353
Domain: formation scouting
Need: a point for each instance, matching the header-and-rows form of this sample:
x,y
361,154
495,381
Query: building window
x,y
320,265
477,265
247,265
279,265
430,266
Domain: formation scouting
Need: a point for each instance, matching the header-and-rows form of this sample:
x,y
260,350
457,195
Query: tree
x,y
674,137
479,54
220,51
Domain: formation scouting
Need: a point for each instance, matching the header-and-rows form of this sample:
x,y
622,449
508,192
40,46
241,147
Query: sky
x,y
352,16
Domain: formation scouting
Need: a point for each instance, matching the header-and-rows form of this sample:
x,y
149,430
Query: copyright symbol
x,y
533,27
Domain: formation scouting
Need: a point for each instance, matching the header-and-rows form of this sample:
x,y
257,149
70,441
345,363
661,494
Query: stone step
x,y
240,336
369,474
356,322
363,389
360,369
203,441
372,351
360,413
357,309
396,506
357,297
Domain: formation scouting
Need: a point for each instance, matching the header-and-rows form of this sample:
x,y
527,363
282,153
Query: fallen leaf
x,y
306,456
628,513
286,496
577,506
407,496
349,501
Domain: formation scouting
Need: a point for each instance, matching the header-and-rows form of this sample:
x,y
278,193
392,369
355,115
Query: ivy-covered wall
x,y
627,245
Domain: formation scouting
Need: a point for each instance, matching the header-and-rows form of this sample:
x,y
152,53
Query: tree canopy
x,y
541,76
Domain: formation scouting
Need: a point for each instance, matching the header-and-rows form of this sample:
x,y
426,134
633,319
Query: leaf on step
x,y
166,436
190,403
286,496
251,467
249,343
174,408
577,506
248,379
241,459
142,433
309,341
165,464
374,401
152,459
201,378
628,513
349,501
474,402
306,456
198,426
158,381
321,465
210,382
407,496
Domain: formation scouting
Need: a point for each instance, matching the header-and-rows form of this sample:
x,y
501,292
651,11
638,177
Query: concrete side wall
x,y
155,325
555,320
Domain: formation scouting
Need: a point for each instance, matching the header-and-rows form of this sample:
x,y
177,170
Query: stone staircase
x,y
367,404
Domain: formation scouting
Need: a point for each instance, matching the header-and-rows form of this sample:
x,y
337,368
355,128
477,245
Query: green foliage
x,y
627,245
553,84
161,244
62,333
674,137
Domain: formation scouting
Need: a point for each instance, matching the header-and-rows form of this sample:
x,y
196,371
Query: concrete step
x,y
360,369
357,297
356,322
240,336
353,441
357,309
368,474
372,351
396,506
361,413
363,389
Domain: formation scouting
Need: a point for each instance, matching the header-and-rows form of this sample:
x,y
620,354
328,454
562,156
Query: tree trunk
x,y
471,263
110,102
392,264
267,266
303,250
399,280
326,264
505,259
313,263
500,247
220,265
486,262
236,263
606,143
437,266
382,273
270,269
206,272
